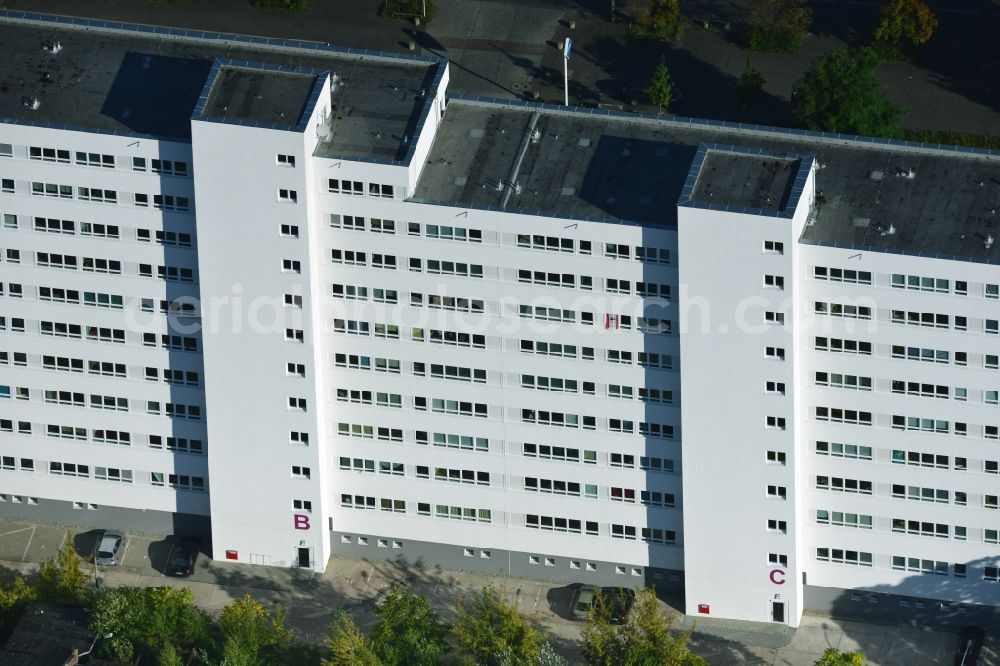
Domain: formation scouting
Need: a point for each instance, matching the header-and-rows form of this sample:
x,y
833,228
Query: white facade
x,y
484,388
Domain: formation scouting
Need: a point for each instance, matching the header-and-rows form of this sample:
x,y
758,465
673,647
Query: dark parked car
x,y
182,558
970,642
618,601
110,548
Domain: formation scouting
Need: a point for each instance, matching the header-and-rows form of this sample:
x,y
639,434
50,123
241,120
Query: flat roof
x,y
631,168
744,180
259,95
146,80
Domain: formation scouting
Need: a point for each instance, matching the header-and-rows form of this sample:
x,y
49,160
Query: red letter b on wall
x,y
301,521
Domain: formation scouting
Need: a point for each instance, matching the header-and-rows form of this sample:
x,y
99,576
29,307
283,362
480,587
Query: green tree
x,y
61,578
410,633
778,26
644,639
490,631
252,635
347,645
161,622
903,25
282,5
751,86
658,19
14,596
660,87
168,656
834,657
839,93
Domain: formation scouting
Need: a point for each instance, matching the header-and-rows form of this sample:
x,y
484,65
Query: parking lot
x,y
356,585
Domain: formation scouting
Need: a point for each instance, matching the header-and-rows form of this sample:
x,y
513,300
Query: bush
x,y
61,578
282,5
406,8
656,19
778,26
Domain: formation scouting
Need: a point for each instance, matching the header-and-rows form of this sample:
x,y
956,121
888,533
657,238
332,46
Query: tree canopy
x,y
491,632
660,87
903,25
154,621
61,578
778,26
410,633
644,638
839,93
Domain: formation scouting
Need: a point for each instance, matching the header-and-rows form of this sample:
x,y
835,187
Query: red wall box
x,y
232,555
703,609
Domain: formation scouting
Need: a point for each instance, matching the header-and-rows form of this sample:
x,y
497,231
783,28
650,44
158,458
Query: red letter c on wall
x,y
777,576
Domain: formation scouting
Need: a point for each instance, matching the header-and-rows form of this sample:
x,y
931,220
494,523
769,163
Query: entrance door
x,y
778,611
304,560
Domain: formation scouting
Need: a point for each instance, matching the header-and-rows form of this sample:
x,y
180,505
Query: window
x,y
839,450
842,556
286,160
843,519
777,492
920,283
774,387
291,266
777,422
776,457
96,194
453,233
774,282
300,472
842,275
346,186
844,346
838,415
844,310
843,485
778,559
776,353
289,230
774,247
616,251
837,380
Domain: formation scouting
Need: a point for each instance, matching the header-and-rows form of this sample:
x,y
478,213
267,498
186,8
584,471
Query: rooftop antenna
x,y
989,241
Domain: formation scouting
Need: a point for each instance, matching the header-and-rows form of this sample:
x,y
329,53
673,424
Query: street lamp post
x,y
567,50
74,657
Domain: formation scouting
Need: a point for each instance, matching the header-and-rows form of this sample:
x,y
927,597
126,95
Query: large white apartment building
x,y
295,298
